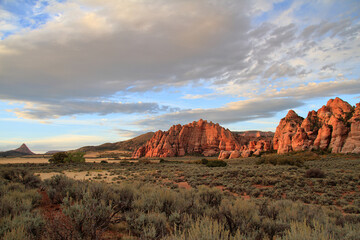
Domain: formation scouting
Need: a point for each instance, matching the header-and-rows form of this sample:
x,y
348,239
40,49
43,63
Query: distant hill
x,y
128,145
23,150
52,152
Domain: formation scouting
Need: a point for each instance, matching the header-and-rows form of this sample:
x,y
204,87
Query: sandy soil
x,y
23,160
45,160
82,175
97,154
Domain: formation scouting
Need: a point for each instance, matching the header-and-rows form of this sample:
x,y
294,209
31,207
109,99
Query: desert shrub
x,y
205,228
75,157
60,186
58,157
204,161
216,163
89,216
29,223
104,161
209,196
16,202
16,234
351,209
148,226
302,230
280,160
314,173
144,161
239,215
158,200
67,157
21,176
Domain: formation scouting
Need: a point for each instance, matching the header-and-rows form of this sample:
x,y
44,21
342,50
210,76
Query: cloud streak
x,y
68,108
231,113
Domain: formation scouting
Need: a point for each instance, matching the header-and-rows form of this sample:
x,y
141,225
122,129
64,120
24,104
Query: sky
x,y
86,72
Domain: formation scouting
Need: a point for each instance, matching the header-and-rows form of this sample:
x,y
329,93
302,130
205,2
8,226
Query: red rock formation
x,y
224,154
328,128
194,138
335,126
285,131
352,143
323,138
235,154
203,138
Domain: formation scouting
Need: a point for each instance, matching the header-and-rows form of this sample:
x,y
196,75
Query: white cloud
x,y
68,108
92,49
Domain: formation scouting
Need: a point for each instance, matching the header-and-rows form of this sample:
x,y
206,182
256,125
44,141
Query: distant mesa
x,y
23,150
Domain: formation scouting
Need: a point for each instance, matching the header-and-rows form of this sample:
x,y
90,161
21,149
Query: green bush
x,y
280,160
67,157
60,186
204,161
314,173
209,196
216,163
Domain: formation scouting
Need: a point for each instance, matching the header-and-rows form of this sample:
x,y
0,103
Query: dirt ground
x,y
46,160
82,175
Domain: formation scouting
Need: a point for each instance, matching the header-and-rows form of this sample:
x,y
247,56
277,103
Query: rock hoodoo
x,y
333,127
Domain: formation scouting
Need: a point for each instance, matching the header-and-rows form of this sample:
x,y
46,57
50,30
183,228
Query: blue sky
x,y
85,72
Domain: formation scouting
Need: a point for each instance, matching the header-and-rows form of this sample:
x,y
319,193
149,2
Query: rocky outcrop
x,y
326,129
204,138
285,131
334,127
352,142
224,154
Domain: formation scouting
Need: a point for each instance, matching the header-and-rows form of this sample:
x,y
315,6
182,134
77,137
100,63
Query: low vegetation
x,y
319,199
67,157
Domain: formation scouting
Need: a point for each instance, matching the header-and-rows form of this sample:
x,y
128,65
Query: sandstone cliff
x,y
201,137
333,127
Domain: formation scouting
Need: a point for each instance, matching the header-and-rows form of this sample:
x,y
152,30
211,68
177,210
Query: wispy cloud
x,y
69,108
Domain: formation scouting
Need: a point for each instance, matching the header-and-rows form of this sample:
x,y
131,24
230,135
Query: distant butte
x,y
21,151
